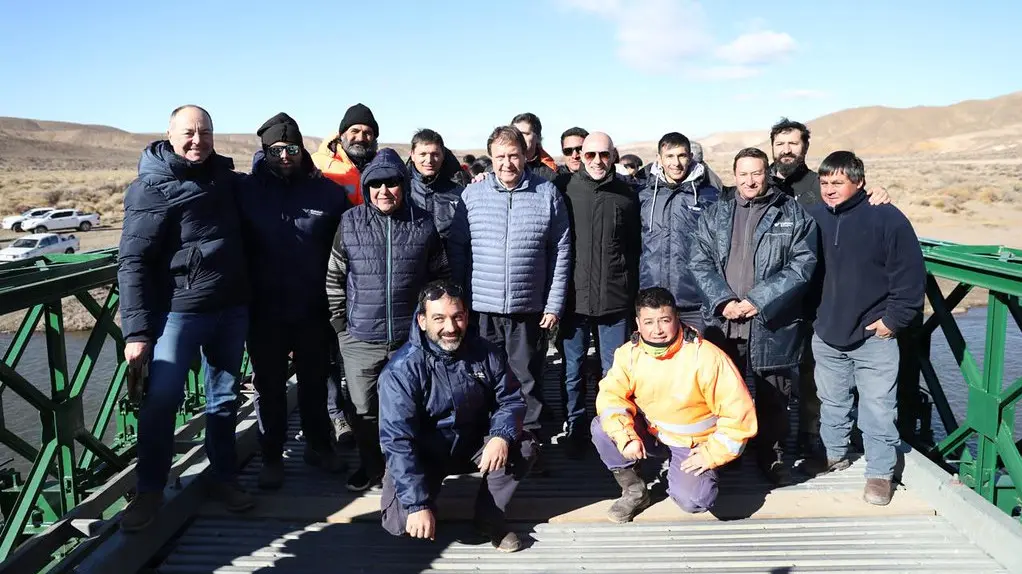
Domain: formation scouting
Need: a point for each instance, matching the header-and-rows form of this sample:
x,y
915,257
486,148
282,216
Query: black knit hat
x,y
359,114
280,128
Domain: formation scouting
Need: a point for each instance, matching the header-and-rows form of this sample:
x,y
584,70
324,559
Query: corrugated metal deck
x,y
821,525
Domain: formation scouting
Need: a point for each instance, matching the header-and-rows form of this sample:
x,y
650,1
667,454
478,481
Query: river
x,y
24,421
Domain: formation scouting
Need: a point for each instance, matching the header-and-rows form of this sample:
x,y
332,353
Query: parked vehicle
x,y
13,222
61,219
39,244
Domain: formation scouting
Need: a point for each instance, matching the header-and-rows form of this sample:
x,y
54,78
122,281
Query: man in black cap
x,y
290,213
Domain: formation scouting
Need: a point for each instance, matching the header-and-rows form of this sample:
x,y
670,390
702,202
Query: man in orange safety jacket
x,y
343,158
670,394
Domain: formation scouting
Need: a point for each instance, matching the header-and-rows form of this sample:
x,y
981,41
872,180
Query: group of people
x,y
436,288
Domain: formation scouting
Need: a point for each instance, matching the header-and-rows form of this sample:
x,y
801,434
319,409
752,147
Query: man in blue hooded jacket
x,y
183,286
449,404
289,213
384,252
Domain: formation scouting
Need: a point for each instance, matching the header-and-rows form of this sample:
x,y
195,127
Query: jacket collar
x,y
849,204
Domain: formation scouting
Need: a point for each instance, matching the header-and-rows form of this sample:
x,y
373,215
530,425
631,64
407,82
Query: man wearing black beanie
x,y
343,158
290,213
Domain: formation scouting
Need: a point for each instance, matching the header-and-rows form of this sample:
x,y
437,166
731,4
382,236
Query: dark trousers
x,y
693,318
335,384
690,492
269,344
808,401
494,493
525,344
771,391
574,335
363,363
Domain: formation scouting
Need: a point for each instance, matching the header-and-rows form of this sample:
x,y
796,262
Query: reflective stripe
x,y
733,446
614,411
694,428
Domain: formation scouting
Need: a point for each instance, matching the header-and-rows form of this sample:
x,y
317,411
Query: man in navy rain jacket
x,y
290,212
449,404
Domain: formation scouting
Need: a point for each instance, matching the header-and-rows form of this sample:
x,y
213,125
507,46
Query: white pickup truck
x,y
61,219
39,244
13,222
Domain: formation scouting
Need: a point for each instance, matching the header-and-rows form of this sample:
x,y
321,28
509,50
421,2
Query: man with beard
x,y
789,144
450,405
538,160
753,258
604,213
675,194
289,214
437,178
343,158
571,147
385,250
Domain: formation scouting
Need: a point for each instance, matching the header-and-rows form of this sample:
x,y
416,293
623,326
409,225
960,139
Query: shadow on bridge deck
x,y
313,524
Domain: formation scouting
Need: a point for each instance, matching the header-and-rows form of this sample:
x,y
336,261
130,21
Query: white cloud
x,y
804,94
661,35
757,48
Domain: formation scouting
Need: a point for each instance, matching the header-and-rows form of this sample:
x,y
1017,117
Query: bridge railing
x,y
69,458
982,447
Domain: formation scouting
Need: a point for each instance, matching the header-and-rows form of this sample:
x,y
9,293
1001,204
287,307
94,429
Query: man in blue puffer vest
x,y
450,405
290,212
510,248
183,287
677,191
384,252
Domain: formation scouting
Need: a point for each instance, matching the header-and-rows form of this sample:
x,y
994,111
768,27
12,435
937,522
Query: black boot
x,y
369,474
634,496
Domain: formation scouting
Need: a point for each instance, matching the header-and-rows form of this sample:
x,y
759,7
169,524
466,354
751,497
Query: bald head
x,y
598,155
191,133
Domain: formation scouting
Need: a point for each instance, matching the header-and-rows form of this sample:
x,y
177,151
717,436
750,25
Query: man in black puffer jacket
x,y
384,252
606,236
183,287
437,178
290,212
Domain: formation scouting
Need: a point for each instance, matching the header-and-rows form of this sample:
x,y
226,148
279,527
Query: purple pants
x,y
690,492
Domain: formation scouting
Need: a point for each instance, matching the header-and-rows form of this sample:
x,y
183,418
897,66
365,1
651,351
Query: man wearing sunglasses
x,y
604,213
571,147
290,212
449,404
510,247
384,252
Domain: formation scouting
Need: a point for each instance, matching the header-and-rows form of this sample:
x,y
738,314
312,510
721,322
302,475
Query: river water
x,y
23,420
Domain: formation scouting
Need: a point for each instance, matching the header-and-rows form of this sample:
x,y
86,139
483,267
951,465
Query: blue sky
x,y
633,68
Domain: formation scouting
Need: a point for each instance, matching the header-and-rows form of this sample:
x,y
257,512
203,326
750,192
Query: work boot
x,y
502,539
233,497
362,480
326,460
777,473
878,491
343,435
634,496
142,511
271,475
817,466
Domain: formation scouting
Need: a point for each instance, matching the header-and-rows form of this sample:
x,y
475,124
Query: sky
x,y
633,68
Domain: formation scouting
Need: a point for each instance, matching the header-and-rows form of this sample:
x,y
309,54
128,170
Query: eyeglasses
x,y
570,151
290,149
389,182
591,155
434,291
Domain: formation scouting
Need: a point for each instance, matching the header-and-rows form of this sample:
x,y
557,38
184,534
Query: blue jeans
x,y
872,368
220,336
575,334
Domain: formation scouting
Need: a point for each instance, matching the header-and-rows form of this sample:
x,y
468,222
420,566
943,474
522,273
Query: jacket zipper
x,y
390,326
507,254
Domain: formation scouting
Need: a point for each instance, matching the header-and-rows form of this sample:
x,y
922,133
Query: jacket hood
x,y
387,164
695,175
543,158
159,159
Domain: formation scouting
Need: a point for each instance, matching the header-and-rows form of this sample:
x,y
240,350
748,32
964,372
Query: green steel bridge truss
x,y
71,462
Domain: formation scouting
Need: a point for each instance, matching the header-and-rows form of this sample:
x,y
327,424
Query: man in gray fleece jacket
x,y
510,247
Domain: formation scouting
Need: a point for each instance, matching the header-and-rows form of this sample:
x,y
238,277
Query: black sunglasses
x,y
389,182
570,151
290,149
591,155
434,291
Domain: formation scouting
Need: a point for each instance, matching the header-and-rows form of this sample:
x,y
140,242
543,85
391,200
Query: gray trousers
x,y
363,363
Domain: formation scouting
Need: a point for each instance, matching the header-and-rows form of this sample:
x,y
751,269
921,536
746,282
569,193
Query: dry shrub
x,y
53,196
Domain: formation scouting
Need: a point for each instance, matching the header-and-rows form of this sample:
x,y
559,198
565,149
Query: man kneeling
x,y
670,394
449,405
